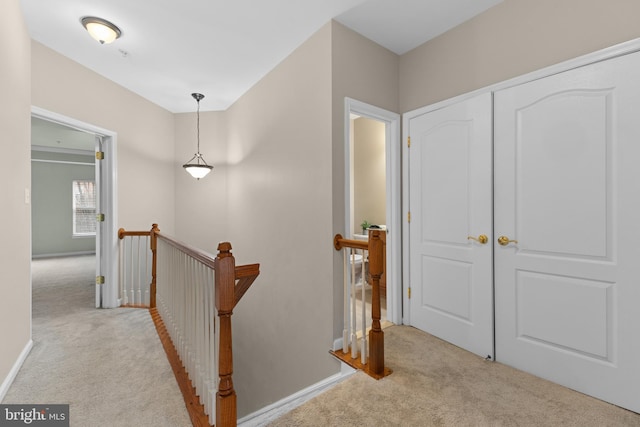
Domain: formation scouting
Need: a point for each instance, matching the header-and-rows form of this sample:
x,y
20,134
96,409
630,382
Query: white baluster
x,y
354,336
121,269
363,280
138,281
131,271
147,279
186,302
345,306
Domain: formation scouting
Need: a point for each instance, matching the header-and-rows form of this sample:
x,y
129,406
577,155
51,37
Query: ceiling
x,y
52,136
221,48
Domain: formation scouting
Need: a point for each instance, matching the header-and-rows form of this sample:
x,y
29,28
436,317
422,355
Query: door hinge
x,y
409,292
100,217
99,155
409,216
99,280
409,141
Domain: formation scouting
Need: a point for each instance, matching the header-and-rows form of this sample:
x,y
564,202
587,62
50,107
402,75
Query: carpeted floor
x,y
108,365
437,384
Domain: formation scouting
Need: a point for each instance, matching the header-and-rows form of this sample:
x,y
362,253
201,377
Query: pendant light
x,y
100,29
196,166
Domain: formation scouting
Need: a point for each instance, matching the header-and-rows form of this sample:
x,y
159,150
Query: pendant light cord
x,y
198,97
198,125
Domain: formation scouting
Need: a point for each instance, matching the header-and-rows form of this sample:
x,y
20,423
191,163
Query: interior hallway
x,y
435,383
107,364
110,367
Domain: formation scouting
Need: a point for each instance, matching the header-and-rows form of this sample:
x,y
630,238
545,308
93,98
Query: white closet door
x,y
567,189
451,274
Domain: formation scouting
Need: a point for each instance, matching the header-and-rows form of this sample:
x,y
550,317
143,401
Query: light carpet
x,y
108,365
437,384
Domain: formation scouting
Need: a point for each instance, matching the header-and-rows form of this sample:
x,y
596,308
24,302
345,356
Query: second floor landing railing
x,y
191,297
371,254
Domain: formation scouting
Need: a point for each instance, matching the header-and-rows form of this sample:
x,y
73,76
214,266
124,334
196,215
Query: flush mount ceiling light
x,y
196,166
100,29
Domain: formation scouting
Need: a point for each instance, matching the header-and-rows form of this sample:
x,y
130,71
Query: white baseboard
x,y
63,254
269,413
4,388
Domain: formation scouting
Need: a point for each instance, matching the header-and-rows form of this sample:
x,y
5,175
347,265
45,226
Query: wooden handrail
x,y
154,264
340,242
122,233
195,253
225,265
231,283
245,275
375,247
376,336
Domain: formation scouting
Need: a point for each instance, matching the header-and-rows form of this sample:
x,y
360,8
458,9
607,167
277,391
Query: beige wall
x,y
367,72
369,173
512,38
201,205
270,195
285,157
277,190
145,142
15,177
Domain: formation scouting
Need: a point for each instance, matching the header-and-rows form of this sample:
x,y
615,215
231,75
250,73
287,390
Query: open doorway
x,y
73,198
63,220
372,166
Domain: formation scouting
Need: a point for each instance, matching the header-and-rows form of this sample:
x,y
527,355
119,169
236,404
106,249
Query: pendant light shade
x,y
197,166
100,29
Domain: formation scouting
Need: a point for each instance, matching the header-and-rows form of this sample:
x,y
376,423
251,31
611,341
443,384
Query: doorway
x,y
372,171
80,140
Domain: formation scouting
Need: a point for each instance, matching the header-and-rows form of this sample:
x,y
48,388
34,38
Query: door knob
x,y
482,239
504,241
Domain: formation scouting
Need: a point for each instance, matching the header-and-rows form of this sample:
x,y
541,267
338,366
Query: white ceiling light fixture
x,y
100,29
199,168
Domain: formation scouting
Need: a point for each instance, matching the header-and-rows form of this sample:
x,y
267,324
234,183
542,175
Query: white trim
x,y
393,191
581,61
615,51
110,188
45,149
6,384
337,344
63,254
405,212
63,162
269,413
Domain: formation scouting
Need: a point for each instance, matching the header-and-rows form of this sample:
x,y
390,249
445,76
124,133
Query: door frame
x,y
393,195
621,49
109,241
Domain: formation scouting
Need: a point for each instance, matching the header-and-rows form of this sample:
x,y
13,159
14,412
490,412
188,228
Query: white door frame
x,y
109,243
393,202
590,58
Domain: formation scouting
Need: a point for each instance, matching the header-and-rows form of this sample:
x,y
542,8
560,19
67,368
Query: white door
x,y
450,186
567,189
99,224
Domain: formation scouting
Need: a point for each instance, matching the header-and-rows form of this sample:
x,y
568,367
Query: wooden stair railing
x,y
375,247
231,283
136,279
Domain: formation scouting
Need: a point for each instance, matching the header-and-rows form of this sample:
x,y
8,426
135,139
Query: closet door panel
x,y
451,274
566,203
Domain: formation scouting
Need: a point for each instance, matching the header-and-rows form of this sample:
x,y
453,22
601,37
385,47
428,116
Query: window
x,y
84,208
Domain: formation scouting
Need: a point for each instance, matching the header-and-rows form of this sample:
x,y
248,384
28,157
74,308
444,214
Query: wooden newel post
x,y
153,240
226,406
376,336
